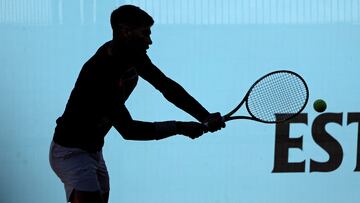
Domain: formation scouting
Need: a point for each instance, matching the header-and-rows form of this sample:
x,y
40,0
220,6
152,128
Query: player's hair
x,y
130,16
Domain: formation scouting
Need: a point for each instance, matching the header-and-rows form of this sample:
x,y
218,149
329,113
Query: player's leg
x,y
102,177
105,197
87,197
78,170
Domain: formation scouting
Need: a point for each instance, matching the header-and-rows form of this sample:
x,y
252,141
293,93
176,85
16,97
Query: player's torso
x,y
103,81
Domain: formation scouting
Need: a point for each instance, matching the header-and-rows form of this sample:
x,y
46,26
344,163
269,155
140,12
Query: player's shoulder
x,y
97,62
102,57
104,50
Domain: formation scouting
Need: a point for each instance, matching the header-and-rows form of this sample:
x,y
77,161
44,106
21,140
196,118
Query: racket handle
x,y
206,124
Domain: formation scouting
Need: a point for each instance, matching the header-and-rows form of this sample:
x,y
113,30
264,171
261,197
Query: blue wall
x,y
216,58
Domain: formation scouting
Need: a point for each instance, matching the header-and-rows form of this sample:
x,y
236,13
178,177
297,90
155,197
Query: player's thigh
x,y
78,170
105,197
87,197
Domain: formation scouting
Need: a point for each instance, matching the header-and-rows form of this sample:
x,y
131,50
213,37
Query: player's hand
x,y
214,122
190,129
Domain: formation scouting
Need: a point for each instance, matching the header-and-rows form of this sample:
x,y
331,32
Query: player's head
x,y
130,23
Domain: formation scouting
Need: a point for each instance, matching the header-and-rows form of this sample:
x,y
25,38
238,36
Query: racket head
x,y
277,97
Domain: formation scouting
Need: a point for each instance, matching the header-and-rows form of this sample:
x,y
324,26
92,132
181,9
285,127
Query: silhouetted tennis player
x,y
97,103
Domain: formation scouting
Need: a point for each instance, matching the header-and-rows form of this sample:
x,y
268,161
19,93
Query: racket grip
x,y
206,124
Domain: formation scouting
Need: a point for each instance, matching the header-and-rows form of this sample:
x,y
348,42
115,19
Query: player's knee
x,y
86,197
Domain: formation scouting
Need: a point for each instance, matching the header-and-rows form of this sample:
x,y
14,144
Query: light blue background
x,y
216,60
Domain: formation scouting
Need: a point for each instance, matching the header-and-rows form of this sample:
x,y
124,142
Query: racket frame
x,y
229,116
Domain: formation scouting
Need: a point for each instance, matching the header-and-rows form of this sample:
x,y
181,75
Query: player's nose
x,y
149,41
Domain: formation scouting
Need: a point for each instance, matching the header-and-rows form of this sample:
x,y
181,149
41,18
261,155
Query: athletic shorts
x,y
79,170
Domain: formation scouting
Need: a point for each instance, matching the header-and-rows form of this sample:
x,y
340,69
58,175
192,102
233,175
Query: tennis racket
x,y
274,98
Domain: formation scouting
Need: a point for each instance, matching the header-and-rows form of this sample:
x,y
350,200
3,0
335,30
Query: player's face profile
x,y
142,35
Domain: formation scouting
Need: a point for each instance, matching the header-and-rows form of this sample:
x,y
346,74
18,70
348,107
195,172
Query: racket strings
x,y
277,97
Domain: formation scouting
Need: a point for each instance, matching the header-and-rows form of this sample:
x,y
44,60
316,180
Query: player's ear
x,y
122,31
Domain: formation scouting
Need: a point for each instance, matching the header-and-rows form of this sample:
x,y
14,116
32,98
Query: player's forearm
x,y
172,91
144,131
177,95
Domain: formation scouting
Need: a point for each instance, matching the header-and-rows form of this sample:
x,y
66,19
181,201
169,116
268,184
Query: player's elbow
x,y
136,136
127,135
135,132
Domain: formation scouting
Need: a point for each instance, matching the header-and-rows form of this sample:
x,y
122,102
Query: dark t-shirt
x,y
97,101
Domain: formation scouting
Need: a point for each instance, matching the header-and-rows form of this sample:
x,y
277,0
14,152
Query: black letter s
x,y
327,142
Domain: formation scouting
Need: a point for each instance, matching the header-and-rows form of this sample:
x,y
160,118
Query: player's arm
x,y
139,130
177,95
132,129
172,91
